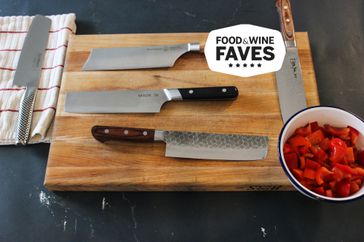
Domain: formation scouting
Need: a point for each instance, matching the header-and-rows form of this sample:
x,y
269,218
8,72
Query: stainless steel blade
x,y
31,58
214,146
290,85
137,57
148,101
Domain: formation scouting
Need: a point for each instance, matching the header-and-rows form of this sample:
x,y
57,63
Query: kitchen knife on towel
x,y
191,144
141,101
28,72
289,78
137,57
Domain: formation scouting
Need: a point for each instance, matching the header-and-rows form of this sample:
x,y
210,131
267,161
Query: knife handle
x,y
286,19
111,133
209,93
25,115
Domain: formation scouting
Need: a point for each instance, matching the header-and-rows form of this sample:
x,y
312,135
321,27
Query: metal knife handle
x,y
286,20
209,93
111,133
25,115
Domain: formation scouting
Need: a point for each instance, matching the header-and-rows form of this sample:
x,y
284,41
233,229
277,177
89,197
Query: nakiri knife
x,y
192,145
291,91
137,57
141,101
28,72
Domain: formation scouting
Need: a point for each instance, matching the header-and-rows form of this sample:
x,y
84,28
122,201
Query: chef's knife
x,y
141,101
28,72
191,144
137,57
289,78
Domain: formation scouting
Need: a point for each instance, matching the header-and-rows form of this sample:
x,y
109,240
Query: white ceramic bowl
x,y
323,115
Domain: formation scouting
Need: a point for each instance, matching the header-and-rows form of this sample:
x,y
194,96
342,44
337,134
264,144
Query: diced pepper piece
x,y
309,173
313,165
361,157
291,160
358,181
349,156
359,171
329,193
354,135
319,153
322,174
297,173
338,150
338,174
354,187
325,144
287,149
342,133
342,188
320,190
302,162
332,184
316,137
304,131
346,169
298,141
314,126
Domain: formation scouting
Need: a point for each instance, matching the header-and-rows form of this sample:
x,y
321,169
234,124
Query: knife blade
x,y
291,91
137,57
141,101
194,145
28,72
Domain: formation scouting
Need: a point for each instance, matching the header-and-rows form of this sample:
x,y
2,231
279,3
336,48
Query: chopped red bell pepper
x,y
325,160
309,173
303,131
291,160
349,156
322,174
343,188
298,141
310,164
314,126
342,133
316,137
338,150
354,135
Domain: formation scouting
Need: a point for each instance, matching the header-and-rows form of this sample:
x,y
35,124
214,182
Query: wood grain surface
x,y
79,162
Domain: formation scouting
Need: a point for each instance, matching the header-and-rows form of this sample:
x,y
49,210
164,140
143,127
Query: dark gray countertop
x,y
29,212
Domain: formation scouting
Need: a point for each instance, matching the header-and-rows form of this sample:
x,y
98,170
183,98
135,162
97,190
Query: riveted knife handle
x,y
286,19
25,116
209,93
111,133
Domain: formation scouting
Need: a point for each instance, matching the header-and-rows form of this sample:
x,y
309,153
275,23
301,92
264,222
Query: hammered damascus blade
x,y
215,146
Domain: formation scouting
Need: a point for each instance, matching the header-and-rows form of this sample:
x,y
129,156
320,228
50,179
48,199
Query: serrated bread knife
x,y
137,57
192,145
28,72
289,78
141,101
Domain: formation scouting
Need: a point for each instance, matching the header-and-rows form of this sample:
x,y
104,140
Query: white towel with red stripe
x,y
12,34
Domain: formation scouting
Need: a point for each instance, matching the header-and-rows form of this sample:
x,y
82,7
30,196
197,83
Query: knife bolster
x,y
172,94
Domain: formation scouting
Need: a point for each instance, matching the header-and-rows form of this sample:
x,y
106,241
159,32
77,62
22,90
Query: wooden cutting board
x,y
78,162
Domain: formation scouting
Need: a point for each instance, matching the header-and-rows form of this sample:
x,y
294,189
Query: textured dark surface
x,y
29,212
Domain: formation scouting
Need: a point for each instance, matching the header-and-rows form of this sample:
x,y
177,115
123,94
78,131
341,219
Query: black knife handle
x,y
286,19
111,133
209,93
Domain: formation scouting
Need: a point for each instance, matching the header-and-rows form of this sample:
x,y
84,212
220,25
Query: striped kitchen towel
x,y
12,34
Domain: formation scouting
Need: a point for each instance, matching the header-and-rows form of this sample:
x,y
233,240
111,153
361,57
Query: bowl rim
x,y
297,185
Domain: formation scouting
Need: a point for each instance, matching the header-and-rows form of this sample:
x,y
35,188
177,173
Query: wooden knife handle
x,y
209,93
286,19
110,133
